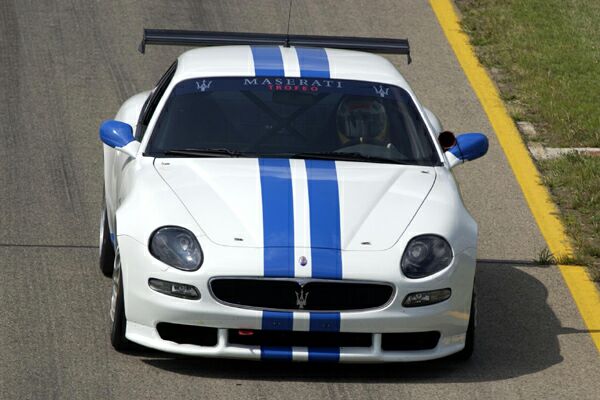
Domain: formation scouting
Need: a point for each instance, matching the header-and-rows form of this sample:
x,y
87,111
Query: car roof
x,y
240,61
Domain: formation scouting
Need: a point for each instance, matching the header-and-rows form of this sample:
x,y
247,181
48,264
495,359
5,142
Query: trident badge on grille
x,y
301,299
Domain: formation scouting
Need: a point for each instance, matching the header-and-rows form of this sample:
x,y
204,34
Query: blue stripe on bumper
x,y
324,322
276,353
277,320
331,354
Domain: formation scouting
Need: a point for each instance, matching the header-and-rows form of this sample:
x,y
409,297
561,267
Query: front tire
x,y
106,249
117,311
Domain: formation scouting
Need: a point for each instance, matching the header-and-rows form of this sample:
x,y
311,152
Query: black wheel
x,y
466,353
106,249
117,311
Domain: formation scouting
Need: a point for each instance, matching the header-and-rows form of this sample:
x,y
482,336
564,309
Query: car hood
x,y
302,203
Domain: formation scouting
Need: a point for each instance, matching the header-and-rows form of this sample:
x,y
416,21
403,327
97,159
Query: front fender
x,y
128,113
146,202
443,213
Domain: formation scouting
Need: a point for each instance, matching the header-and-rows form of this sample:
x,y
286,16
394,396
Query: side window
x,y
152,101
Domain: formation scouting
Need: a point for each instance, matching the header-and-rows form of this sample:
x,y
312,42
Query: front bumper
x,y
146,308
148,336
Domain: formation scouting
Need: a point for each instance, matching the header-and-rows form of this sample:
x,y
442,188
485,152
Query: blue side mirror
x,y
469,146
116,133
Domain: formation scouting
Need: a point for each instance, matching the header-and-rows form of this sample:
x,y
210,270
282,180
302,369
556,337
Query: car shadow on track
x,y
517,335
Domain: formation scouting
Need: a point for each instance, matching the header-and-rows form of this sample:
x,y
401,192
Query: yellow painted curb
x,y
543,209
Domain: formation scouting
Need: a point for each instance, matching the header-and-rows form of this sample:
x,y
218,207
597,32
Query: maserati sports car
x,y
280,197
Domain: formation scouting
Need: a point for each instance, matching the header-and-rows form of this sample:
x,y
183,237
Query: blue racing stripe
x,y
325,235
324,204
277,320
324,321
278,217
267,61
331,354
313,62
276,353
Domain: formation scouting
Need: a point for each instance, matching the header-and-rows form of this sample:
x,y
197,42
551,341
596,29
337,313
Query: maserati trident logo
x,y
203,86
301,299
381,91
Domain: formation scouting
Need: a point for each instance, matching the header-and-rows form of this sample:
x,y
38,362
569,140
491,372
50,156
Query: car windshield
x,y
292,117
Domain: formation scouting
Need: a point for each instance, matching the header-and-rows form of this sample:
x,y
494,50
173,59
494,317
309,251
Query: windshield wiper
x,y
341,156
319,155
203,153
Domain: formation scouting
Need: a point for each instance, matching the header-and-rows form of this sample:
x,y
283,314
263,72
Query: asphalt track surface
x,y
67,65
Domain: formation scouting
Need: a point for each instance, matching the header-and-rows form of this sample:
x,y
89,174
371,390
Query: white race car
x,y
286,198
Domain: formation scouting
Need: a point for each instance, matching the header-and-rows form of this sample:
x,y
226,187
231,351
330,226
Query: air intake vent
x,y
187,334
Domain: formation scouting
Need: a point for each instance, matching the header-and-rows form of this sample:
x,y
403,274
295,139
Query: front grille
x,y
291,294
300,339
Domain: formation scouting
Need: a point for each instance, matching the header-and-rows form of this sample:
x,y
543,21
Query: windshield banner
x,y
278,84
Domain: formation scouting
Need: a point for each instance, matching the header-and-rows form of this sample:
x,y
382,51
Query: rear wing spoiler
x,y
202,38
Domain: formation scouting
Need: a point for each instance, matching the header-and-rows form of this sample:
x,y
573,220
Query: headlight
x,y
176,247
425,255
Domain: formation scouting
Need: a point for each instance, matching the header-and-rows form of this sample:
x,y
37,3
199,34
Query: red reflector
x,y
243,332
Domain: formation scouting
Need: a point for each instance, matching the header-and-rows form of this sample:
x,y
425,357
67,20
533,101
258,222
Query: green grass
x,y
548,56
545,257
545,58
575,184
